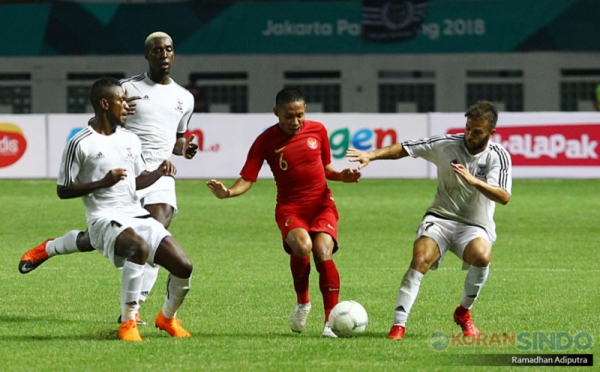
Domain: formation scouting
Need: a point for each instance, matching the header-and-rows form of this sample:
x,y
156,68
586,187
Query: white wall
x,y
359,80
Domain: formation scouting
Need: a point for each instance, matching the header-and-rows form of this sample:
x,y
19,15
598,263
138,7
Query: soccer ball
x,y
348,318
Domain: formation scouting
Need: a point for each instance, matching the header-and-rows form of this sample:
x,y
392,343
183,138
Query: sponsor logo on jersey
x,y
312,143
100,155
179,106
12,144
146,97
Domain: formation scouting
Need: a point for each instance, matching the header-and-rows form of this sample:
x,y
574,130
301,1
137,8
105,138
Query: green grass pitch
x,y
544,280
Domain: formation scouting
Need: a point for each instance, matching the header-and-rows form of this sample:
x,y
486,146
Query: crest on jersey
x,y
312,143
129,155
179,106
481,171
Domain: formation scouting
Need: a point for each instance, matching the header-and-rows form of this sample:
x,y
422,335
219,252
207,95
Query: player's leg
x,y
160,201
425,253
135,250
72,242
299,245
477,254
173,258
329,277
164,214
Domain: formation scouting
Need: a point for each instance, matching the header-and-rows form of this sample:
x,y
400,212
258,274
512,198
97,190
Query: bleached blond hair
x,y
155,35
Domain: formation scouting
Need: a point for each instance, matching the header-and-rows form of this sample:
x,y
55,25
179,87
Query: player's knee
x,y
138,251
482,258
184,269
188,268
303,247
422,261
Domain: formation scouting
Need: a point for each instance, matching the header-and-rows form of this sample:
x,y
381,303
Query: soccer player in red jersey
x,y
299,155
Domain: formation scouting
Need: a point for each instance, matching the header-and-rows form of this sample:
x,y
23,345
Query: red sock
x,y
329,283
300,271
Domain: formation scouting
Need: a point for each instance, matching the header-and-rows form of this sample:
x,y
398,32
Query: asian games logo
x,y
312,143
179,106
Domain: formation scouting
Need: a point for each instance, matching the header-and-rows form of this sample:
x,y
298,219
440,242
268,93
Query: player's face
x,y
116,106
160,55
291,116
477,135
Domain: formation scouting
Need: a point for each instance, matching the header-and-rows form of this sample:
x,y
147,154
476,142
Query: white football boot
x,y
298,318
327,332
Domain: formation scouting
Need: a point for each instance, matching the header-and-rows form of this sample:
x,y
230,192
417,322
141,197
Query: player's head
x,y
481,124
108,99
290,108
158,50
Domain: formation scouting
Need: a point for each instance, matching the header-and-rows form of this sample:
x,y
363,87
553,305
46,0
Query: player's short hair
x,y
99,89
287,95
483,110
155,35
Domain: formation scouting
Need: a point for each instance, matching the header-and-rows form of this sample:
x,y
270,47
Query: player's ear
x,y
275,111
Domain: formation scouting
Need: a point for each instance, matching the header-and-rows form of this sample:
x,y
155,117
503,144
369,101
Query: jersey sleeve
x,y
325,147
254,161
500,173
71,162
187,115
423,148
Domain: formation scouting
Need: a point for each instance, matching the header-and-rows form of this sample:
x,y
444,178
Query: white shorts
x,y
160,192
104,232
450,235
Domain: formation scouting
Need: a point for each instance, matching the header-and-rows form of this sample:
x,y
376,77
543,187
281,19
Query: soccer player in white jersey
x,y
473,175
104,165
159,112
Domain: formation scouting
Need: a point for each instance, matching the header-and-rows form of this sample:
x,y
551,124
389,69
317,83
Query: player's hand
x,y
218,189
189,148
113,176
350,175
167,168
464,173
131,104
362,157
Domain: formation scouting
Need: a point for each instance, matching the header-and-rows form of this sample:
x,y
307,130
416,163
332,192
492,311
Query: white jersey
x,y
89,156
163,112
455,199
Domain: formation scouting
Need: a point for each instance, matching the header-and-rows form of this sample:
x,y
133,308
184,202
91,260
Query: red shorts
x,y
320,218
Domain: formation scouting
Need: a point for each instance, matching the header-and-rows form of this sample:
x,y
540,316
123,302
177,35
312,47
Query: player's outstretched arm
x,y
76,190
239,187
145,179
395,151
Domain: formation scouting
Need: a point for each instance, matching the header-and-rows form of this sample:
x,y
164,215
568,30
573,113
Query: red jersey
x,y
297,162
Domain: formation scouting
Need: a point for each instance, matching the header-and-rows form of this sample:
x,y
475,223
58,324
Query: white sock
x,y
66,244
177,289
409,289
475,280
150,276
131,284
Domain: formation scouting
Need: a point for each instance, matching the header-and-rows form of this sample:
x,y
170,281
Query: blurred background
x,y
370,56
